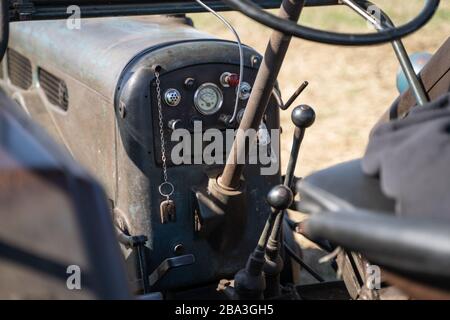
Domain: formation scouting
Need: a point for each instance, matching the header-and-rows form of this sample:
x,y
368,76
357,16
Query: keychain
x,y
166,188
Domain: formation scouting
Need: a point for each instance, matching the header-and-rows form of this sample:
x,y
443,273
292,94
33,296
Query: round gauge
x,y
208,98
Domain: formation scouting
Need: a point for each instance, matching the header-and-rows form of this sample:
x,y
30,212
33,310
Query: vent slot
x,y
19,70
55,89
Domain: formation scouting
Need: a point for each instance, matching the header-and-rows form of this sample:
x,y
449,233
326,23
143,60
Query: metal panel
x,y
97,53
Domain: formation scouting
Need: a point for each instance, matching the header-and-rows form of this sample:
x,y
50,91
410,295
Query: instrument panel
x,y
199,96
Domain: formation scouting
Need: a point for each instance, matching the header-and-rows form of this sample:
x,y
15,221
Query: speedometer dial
x,y
208,98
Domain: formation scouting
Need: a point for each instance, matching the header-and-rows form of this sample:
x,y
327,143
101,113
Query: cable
x,y
302,263
241,54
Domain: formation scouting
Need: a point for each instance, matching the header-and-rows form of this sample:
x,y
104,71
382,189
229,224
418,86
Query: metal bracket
x,y
169,264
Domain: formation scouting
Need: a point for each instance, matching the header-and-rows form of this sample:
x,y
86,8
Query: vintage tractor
x,y
173,123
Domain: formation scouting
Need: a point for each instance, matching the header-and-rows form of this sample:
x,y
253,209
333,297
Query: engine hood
x,y
97,53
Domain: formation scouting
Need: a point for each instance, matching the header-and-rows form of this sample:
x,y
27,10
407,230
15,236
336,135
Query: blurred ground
x,y
349,88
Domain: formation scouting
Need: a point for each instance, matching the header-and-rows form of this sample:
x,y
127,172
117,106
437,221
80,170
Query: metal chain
x,y
163,142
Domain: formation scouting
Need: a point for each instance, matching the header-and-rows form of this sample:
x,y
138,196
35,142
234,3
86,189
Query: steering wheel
x,y
253,11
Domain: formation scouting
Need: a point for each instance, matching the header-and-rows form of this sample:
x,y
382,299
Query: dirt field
x,y
349,87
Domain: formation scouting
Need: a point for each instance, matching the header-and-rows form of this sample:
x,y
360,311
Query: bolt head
x,y
122,110
280,197
303,116
178,249
189,83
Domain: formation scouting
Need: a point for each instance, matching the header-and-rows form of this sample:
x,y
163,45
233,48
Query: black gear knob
x,y
303,116
280,197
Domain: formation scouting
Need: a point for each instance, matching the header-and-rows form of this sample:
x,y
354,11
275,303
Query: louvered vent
x,y
19,69
55,89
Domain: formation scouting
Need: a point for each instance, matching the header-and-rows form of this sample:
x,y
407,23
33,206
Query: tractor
x,y
144,154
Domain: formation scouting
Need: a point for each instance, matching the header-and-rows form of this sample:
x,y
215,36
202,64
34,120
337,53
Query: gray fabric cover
x,y
411,157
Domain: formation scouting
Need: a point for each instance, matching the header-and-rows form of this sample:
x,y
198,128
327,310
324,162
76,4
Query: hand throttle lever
x,y
303,117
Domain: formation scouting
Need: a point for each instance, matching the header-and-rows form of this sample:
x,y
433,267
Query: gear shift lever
x,y
303,117
250,283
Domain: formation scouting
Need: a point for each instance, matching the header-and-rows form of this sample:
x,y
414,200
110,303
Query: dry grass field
x,y
349,87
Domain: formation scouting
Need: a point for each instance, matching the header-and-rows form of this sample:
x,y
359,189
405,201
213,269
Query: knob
x,y
303,116
280,197
174,124
244,91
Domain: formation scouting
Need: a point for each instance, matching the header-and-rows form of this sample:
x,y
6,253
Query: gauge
x,y
208,99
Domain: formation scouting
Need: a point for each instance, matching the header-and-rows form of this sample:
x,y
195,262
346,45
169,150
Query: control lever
x,y
168,264
303,117
250,283
294,96
138,243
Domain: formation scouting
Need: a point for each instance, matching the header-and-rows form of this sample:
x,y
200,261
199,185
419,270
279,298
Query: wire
x,y
241,54
302,263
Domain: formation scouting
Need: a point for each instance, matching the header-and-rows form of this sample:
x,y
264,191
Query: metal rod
x,y
261,93
303,117
43,10
275,233
411,76
299,133
268,227
143,268
295,95
399,49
